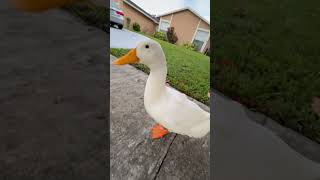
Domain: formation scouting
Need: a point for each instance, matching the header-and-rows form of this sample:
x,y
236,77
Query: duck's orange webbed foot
x,y
159,131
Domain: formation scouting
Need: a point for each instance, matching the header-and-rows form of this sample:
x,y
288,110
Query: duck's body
x,y
167,106
172,109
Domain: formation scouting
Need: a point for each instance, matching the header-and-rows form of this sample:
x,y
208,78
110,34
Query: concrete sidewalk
x,y
134,155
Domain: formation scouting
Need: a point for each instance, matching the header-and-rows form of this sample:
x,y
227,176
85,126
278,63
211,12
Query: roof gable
x,y
136,7
183,9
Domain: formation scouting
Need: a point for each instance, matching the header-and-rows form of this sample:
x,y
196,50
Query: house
x,y
133,13
189,26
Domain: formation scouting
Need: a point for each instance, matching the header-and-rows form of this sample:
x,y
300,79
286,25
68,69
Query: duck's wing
x,y
184,112
189,119
177,98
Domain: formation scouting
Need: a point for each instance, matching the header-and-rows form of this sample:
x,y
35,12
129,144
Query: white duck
x,y
172,110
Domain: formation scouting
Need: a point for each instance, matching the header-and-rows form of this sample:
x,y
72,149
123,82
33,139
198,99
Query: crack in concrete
x,y
164,157
138,144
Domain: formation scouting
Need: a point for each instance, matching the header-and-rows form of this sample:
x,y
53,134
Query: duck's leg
x,y
159,131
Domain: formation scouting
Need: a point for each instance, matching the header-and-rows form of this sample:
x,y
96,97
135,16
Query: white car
x,y
116,14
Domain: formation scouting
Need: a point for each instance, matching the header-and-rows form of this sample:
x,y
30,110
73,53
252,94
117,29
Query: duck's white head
x,y
147,52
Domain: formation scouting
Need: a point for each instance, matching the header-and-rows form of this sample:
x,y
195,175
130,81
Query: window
x,y
200,38
164,25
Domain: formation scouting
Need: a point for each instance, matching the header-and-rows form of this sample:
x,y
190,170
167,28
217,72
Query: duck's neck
x,y
156,83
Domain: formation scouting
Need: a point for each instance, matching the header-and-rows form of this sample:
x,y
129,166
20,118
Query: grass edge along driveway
x,y
188,71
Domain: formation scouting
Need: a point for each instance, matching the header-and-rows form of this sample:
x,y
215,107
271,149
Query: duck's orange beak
x,y
40,5
130,57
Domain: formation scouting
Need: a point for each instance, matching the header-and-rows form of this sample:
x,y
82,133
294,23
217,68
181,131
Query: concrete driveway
x,y
125,38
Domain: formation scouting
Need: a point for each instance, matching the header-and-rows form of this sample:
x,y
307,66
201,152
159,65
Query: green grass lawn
x,y
188,71
267,56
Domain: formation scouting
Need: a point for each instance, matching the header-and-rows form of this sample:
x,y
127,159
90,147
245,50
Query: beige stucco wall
x,y
185,23
146,24
167,17
204,25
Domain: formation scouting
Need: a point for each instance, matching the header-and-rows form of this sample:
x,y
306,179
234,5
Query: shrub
x,y
161,35
171,35
191,47
128,22
136,27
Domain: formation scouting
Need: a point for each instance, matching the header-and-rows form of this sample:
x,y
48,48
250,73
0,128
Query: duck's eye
x,y
147,46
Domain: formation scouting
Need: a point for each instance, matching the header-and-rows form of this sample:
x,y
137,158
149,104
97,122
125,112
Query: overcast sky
x,y
157,7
